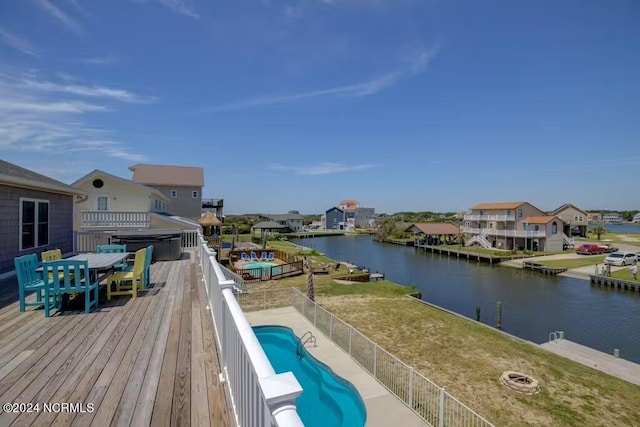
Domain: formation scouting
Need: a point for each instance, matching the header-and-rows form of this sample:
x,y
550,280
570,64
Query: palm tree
x,y
311,294
599,231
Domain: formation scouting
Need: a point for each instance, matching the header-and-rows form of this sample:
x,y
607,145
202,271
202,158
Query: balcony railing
x,y
108,219
260,396
507,233
471,217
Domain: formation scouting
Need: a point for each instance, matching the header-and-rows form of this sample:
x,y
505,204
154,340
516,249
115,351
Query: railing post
x,y
375,360
315,313
331,327
350,332
410,397
442,405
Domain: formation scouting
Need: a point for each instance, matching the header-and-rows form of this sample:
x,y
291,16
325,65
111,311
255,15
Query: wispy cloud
x,y
99,60
417,65
73,107
60,15
324,168
182,7
87,91
17,43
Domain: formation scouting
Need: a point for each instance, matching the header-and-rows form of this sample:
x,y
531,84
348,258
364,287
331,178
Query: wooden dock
x,y
611,282
528,265
461,253
147,361
376,276
401,242
595,359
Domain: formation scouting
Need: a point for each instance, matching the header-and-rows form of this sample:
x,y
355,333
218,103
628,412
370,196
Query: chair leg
x,y
87,300
109,290
21,295
39,295
134,288
47,306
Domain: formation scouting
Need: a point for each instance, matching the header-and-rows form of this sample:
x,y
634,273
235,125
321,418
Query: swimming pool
x,y
327,399
262,265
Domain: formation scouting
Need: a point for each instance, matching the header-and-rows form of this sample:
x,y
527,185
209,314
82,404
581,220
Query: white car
x,y
621,258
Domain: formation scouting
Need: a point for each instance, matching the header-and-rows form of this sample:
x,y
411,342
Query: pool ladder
x,y
307,337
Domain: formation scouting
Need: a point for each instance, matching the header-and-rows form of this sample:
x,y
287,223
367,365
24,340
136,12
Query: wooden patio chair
x,y
75,280
128,282
147,266
113,249
30,280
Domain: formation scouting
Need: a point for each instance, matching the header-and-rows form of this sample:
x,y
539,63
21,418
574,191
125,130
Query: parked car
x,y
590,249
621,259
609,248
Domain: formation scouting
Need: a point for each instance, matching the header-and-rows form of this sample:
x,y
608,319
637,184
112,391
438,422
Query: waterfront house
x,y
334,219
636,218
612,218
427,233
573,218
36,212
112,204
181,184
514,225
594,217
292,221
356,215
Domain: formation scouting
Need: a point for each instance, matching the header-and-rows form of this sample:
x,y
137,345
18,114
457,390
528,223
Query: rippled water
x,y
533,305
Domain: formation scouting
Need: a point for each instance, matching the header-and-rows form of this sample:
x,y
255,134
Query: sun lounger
x,y
263,256
271,256
254,257
244,256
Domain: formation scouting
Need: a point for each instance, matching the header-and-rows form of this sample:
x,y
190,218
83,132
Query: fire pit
x,y
520,382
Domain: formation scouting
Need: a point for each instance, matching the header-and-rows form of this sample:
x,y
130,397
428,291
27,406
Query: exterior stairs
x,y
569,241
480,239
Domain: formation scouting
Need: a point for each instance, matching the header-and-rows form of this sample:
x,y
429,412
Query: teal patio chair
x,y
112,249
30,280
75,280
147,267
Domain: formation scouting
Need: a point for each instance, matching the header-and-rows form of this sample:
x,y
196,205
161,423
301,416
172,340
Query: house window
x,y
34,223
102,203
579,218
519,213
554,228
174,194
575,218
194,194
536,227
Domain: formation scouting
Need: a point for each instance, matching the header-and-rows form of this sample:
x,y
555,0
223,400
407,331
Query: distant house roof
x,y
268,225
182,176
282,217
334,208
500,205
540,219
98,172
16,176
433,228
567,206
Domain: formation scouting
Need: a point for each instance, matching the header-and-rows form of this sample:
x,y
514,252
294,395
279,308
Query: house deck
x,y
147,361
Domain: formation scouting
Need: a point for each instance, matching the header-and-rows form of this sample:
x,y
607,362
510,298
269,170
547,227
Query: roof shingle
x,y
183,176
499,205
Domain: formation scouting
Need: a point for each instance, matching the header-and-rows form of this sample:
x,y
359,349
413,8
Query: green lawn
x,y
574,262
241,237
624,274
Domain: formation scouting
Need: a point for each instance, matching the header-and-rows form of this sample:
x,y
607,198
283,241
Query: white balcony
x,y
507,233
108,219
472,217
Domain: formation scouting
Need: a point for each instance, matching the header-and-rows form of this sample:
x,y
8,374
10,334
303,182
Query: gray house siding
x,y
60,223
184,205
334,217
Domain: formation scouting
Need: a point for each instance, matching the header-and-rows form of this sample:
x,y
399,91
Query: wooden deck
x,y
147,361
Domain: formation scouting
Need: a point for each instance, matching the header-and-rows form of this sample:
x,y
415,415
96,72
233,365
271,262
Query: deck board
x,y
147,361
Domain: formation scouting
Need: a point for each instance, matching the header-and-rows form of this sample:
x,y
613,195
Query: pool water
x,y
262,265
327,399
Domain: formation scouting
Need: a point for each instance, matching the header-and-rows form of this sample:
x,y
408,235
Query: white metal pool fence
x,y
260,397
431,402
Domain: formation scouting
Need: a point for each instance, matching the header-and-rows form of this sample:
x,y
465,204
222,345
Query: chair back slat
x,y
51,255
67,276
26,267
139,262
147,264
111,249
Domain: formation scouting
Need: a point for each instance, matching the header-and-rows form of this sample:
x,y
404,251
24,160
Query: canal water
x,y
619,228
533,305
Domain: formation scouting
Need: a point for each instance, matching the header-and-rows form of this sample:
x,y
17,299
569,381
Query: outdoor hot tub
x,y
167,244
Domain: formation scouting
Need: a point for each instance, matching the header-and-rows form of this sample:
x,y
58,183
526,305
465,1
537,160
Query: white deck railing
x,y
472,217
260,397
506,233
104,219
88,241
431,402
190,239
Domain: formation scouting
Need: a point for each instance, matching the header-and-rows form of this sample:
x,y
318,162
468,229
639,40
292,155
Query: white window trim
x,y
108,201
35,226
195,194
173,194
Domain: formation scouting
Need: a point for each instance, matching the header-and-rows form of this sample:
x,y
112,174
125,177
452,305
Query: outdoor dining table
x,y
99,262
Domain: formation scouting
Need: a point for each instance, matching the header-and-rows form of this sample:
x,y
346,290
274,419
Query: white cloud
x,y
182,7
417,65
99,60
88,91
17,43
60,15
323,168
74,107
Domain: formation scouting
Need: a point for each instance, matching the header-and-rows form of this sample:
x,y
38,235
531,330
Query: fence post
x,y
442,405
264,299
315,313
350,331
410,398
375,360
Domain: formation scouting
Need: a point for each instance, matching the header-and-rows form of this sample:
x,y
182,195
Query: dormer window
x,y
194,194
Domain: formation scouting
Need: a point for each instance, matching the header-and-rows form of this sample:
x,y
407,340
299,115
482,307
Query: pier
x,y
528,265
460,253
402,242
615,283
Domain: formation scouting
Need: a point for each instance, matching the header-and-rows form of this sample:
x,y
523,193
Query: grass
x,y
623,274
573,262
241,237
609,237
468,358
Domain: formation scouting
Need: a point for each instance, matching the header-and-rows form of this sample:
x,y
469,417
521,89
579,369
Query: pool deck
x,y
383,408
595,359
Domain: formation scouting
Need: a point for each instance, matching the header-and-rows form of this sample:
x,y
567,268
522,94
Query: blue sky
x,y
401,104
